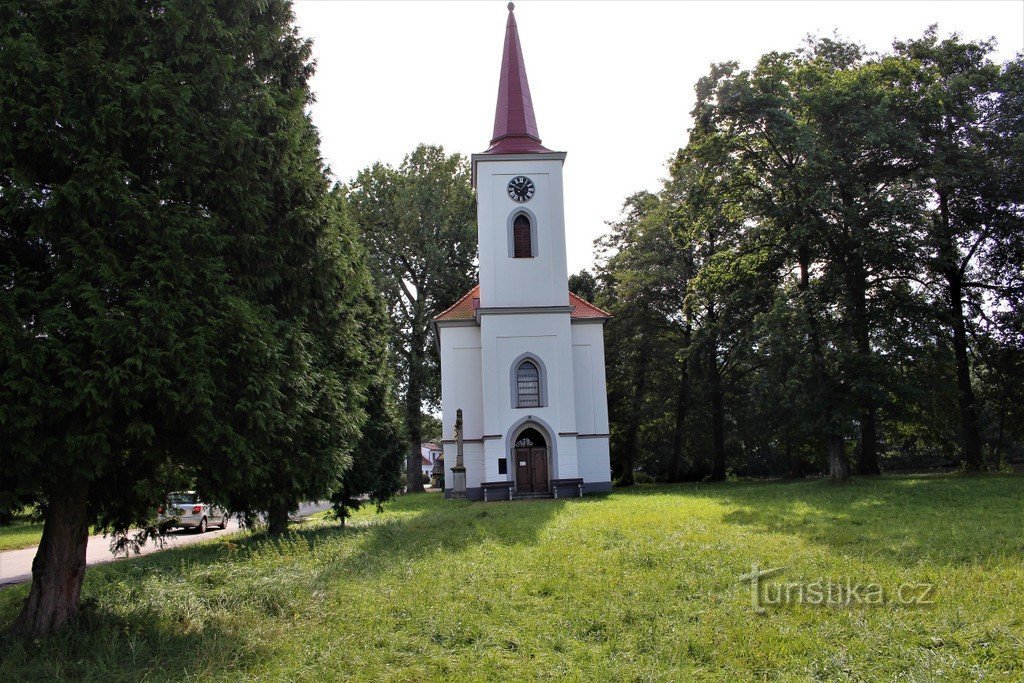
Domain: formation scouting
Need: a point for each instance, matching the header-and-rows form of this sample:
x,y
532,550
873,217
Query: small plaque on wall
x,y
502,465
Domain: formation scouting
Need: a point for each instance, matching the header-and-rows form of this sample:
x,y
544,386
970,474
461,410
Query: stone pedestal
x,y
458,483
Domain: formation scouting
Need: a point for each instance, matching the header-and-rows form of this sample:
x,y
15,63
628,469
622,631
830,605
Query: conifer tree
x,y
175,303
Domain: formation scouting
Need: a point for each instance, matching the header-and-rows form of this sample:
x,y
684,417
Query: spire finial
x,y
511,6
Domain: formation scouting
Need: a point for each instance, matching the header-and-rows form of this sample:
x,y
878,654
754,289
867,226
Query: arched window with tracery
x,y
527,385
522,237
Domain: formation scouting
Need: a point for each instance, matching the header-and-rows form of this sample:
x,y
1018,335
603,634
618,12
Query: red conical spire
x,y
515,126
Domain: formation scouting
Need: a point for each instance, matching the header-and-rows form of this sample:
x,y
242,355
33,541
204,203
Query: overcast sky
x,y
612,82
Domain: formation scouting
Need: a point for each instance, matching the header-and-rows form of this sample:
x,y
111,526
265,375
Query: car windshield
x,y
182,498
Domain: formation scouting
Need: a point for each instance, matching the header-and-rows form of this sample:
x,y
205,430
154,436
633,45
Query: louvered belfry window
x,y
527,385
522,240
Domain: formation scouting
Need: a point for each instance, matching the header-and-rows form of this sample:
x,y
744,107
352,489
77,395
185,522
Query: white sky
x,y
612,82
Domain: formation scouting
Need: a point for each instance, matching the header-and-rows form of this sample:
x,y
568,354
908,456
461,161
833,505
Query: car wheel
x,y
224,521
201,529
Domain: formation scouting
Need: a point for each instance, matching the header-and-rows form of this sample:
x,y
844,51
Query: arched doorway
x,y
530,455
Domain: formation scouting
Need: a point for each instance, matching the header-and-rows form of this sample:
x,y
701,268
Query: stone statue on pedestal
x,y
459,471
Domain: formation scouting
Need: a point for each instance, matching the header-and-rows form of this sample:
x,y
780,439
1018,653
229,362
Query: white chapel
x,y
522,357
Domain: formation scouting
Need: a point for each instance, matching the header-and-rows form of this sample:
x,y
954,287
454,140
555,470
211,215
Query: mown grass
x,y
640,584
23,532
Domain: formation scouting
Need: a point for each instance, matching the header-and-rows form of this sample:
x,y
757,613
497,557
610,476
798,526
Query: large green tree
x,y
419,224
969,160
816,142
643,282
378,458
753,128
173,300
846,228
306,371
730,279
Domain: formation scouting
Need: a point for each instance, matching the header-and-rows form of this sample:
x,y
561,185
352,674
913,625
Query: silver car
x,y
184,509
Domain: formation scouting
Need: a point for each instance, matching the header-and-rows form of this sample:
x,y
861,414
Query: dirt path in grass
x,y
16,565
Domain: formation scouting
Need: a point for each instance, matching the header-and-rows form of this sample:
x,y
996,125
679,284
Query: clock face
x,y
521,189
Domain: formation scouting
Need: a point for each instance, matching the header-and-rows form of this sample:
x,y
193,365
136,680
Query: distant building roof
x,y
430,446
465,308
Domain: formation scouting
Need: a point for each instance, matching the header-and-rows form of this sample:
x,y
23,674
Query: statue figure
x,y
459,471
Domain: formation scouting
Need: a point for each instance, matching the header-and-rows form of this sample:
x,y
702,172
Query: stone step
x,y
539,495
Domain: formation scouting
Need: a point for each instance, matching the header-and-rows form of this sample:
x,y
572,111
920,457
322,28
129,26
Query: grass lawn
x,y
23,532
640,584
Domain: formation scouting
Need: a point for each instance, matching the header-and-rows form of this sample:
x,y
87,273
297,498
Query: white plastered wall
x,y
547,337
591,402
538,281
461,387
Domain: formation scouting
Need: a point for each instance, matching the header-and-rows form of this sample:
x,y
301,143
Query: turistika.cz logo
x,y
831,592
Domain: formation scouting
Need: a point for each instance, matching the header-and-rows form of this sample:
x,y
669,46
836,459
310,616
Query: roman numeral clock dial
x,y
521,189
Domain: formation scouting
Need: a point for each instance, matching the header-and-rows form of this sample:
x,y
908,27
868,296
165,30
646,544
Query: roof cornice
x,y
522,310
538,156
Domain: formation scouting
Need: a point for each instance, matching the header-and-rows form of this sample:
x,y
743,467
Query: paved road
x,y
16,565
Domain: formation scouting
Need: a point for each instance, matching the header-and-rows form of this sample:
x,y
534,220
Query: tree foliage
x,y
180,301
584,285
419,224
829,268
375,474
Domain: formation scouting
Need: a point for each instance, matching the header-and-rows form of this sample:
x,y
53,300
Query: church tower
x,y
521,356
519,184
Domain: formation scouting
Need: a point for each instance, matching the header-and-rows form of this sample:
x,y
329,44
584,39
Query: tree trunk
x,y
867,462
717,415
277,520
860,370
414,405
796,465
717,436
863,375
835,453
636,408
999,450
682,394
965,392
838,463
59,565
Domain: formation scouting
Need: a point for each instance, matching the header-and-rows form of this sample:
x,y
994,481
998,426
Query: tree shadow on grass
x,y
421,525
101,645
177,613
944,520
412,528
170,614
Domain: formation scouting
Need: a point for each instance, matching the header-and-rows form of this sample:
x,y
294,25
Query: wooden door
x,y
539,469
531,469
523,478
531,462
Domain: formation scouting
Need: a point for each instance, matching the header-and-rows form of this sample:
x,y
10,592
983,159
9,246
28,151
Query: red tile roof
x,y
465,308
581,308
